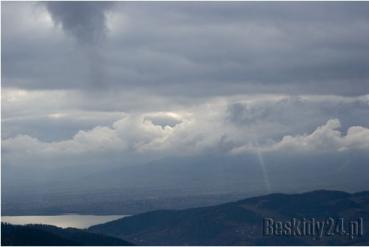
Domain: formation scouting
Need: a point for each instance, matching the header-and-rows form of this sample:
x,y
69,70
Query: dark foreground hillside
x,y
51,235
244,222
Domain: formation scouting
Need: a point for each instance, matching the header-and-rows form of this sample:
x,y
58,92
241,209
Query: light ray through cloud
x,y
262,166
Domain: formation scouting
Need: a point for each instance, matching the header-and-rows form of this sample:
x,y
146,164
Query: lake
x,y
66,220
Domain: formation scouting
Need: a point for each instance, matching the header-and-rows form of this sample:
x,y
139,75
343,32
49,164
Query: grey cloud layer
x,y
212,88
195,49
160,78
58,115
233,125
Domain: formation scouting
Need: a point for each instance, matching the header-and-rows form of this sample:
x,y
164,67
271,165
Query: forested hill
x,y
51,235
241,222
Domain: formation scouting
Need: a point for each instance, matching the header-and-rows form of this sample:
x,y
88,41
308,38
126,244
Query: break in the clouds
x,y
85,81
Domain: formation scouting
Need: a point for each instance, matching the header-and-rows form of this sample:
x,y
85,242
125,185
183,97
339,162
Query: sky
x,y
83,82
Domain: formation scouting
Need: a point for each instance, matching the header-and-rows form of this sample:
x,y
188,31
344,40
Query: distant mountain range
x,y
254,221
16,235
244,222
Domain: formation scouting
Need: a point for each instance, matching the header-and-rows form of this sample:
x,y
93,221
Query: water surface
x,y
66,220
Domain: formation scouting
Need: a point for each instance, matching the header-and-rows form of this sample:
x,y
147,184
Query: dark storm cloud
x,y
84,20
216,48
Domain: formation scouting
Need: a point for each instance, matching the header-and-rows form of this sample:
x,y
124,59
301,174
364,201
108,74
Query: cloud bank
x,y
230,126
326,138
